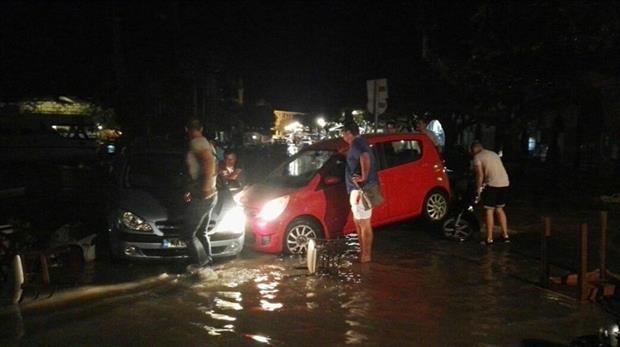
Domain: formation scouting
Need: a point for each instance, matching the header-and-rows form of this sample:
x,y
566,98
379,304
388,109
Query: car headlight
x,y
609,336
273,208
133,222
233,221
237,198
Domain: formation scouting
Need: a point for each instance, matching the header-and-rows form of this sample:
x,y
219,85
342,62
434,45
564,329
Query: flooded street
x,y
420,291
141,140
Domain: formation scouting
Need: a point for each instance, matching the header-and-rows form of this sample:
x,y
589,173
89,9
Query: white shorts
x,y
357,206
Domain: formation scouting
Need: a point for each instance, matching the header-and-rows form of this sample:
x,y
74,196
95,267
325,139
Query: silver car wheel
x,y
460,231
436,206
297,238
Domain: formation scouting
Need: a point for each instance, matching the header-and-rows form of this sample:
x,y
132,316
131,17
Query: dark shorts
x,y
494,197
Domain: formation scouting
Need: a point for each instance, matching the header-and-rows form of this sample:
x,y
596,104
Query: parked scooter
x,y
461,223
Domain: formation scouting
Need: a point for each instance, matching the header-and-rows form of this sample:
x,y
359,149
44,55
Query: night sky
x,y
305,56
296,55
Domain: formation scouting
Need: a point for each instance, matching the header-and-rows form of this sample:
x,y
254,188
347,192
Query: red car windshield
x,y
299,169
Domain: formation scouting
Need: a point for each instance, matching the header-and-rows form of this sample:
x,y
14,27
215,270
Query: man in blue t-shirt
x,y
361,169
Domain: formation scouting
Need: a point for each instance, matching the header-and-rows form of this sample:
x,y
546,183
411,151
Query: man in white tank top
x,y
201,197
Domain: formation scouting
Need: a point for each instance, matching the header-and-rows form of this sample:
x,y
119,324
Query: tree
x,y
523,58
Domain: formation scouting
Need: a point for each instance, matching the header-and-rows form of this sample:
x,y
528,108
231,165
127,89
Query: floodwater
x,y
419,291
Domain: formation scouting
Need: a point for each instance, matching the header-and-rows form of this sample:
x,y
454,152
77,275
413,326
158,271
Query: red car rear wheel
x,y
435,206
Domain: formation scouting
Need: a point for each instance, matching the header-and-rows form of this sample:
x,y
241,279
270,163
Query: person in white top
x,y
492,185
421,125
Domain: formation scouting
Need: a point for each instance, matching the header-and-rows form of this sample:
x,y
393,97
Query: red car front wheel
x,y
298,233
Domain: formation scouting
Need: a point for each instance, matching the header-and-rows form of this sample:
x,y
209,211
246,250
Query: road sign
x,y
377,97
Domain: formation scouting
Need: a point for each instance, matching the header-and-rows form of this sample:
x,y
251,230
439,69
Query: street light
x,y
321,122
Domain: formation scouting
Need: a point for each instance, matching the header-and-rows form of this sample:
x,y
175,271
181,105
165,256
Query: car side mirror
x,y
332,180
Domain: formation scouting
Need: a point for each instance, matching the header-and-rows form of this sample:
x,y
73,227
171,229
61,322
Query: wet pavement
x,y
420,290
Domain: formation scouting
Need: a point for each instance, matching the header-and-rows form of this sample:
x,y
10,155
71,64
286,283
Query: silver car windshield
x,y
156,172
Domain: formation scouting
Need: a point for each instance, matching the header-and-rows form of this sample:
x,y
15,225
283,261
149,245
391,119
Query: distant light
x,y
55,127
321,122
65,99
99,127
531,144
293,126
254,137
335,127
355,112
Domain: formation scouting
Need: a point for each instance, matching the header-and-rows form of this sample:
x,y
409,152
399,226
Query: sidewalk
x,y
568,200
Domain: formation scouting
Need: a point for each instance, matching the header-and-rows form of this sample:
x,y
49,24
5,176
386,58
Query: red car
x,y
305,197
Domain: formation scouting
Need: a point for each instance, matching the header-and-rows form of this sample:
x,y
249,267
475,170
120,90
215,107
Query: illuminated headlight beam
x,y
233,221
274,208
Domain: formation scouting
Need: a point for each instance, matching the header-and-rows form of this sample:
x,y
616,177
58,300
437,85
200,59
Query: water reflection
x,y
213,331
418,291
230,295
270,306
268,296
357,312
227,305
354,337
220,316
259,338
267,286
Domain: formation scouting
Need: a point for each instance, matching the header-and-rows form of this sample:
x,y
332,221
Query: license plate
x,y
173,243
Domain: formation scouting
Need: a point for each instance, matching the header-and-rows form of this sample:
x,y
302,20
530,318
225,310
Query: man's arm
x,y
235,175
364,165
207,161
479,177
364,168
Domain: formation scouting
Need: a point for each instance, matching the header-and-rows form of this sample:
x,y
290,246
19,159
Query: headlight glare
x,y
133,222
273,208
233,221
237,198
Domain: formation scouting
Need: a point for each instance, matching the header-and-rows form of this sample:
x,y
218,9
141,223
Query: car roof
x,y
339,145
156,145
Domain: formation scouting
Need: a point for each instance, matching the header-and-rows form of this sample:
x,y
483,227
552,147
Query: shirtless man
x,y
491,174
